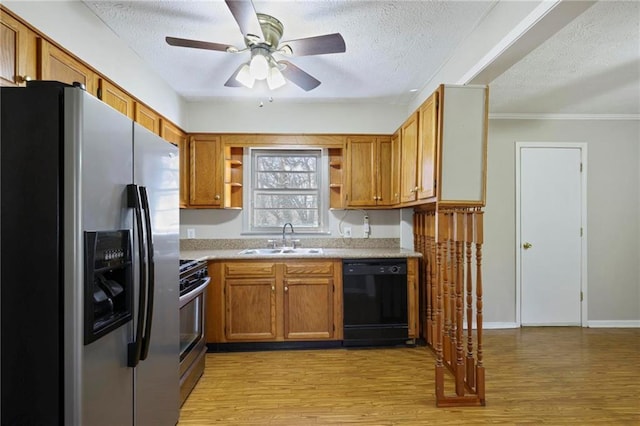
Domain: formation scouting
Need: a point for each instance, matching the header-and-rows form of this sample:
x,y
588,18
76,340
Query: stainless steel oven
x,y
193,285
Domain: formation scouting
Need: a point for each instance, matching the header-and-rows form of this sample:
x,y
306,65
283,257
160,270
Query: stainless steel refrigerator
x,y
89,263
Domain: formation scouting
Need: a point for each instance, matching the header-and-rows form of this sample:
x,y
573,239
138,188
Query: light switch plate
x,y
191,233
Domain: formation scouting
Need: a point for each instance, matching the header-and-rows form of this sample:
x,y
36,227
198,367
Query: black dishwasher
x,y
375,302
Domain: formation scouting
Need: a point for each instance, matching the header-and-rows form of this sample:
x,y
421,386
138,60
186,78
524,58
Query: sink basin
x,y
282,251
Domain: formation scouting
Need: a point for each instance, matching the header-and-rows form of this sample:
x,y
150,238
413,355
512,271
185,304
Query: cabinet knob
x,y
286,288
273,288
23,78
217,197
527,246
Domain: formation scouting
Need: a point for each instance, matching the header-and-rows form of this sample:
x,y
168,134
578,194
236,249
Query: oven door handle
x,y
186,298
135,347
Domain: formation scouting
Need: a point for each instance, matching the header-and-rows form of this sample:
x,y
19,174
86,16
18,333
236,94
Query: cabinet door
x,y
308,308
412,297
409,144
174,135
361,168
147,117
250,309
205,180
427,147
384,172
116,98
396,168
19,52
55,64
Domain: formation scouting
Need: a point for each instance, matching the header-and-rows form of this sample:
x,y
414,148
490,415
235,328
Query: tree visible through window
x,y
286,188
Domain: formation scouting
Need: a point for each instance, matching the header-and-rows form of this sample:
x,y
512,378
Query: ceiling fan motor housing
x,y
272,29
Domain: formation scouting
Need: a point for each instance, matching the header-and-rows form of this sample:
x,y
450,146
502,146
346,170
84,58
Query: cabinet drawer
x,y
250,269
309,268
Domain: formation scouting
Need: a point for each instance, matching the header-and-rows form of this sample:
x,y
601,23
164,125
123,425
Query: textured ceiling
x,y
592,66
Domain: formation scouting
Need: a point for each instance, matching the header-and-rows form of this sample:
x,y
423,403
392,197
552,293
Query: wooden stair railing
x,y
450,240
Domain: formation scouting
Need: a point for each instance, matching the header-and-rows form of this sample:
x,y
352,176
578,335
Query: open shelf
x,y
233,174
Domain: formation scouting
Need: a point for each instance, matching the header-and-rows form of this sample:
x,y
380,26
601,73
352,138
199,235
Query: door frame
x,y
582,146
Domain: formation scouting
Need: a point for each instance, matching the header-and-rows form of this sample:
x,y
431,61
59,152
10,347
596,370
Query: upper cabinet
x,y
369,169
147,117
115,97
462,145
443,148
55,64
18,62
206,171
409,159
427,138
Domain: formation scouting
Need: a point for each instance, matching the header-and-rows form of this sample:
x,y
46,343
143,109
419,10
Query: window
x,y
285,187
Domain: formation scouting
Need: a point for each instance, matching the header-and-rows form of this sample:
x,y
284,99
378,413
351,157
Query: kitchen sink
x,y
282,251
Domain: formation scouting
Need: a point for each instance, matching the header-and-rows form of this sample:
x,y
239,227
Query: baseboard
x,y
614,324
498,325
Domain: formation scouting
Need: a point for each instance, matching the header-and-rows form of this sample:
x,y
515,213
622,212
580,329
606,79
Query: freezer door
x,y
98,167
156,377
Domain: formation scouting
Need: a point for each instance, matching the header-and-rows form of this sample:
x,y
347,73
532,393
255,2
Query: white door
x,y
550,242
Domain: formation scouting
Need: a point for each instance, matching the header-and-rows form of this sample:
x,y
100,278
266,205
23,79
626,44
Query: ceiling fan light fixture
x,y
244,77
275,79
259,65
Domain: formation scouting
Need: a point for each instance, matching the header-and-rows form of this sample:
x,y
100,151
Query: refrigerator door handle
x,y
135,347
146,341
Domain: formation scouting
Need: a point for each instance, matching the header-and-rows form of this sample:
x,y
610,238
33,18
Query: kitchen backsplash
x,y
232,244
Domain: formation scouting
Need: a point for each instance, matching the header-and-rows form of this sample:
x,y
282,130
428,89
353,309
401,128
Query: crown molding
x,y
544,116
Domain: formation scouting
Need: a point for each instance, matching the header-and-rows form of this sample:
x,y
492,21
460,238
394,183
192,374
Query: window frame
x,y
248,227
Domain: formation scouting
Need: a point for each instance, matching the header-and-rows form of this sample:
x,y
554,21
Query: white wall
x,y
613,214
227,224
73,26
294,117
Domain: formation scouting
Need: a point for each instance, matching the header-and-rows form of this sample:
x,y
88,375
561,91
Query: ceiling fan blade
x,y
319,45
245,15
196,44
232,82
300,78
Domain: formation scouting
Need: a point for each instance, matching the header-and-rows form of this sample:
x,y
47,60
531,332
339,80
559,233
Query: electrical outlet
x,y
347,232
191,233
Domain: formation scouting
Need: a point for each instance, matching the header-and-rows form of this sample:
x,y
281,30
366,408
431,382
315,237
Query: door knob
x,y
527,246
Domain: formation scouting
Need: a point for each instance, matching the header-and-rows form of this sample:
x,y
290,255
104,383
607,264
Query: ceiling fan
x,y
262,35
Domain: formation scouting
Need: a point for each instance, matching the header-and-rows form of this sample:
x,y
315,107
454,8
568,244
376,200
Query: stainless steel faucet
x,y
284,228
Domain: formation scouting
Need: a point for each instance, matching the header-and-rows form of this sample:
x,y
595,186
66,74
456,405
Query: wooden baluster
x,y
444,236
469,281
459,239
453,326
433,270
479,241
441,227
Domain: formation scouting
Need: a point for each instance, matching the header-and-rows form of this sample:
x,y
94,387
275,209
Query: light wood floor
x,y
535,376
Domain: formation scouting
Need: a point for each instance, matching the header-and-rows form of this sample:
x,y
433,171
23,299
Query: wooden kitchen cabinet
x,y
205,171
408,159
274,301
18,43
115,97
413,304
233,176
369,169
310,299
336,178
146,117
56,64
427,138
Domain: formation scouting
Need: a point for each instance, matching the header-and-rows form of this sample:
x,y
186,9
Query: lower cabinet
x,y
258,301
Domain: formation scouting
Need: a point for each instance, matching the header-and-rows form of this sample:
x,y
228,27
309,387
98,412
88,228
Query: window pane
x,y
286,163
300,218
292,201
286,180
